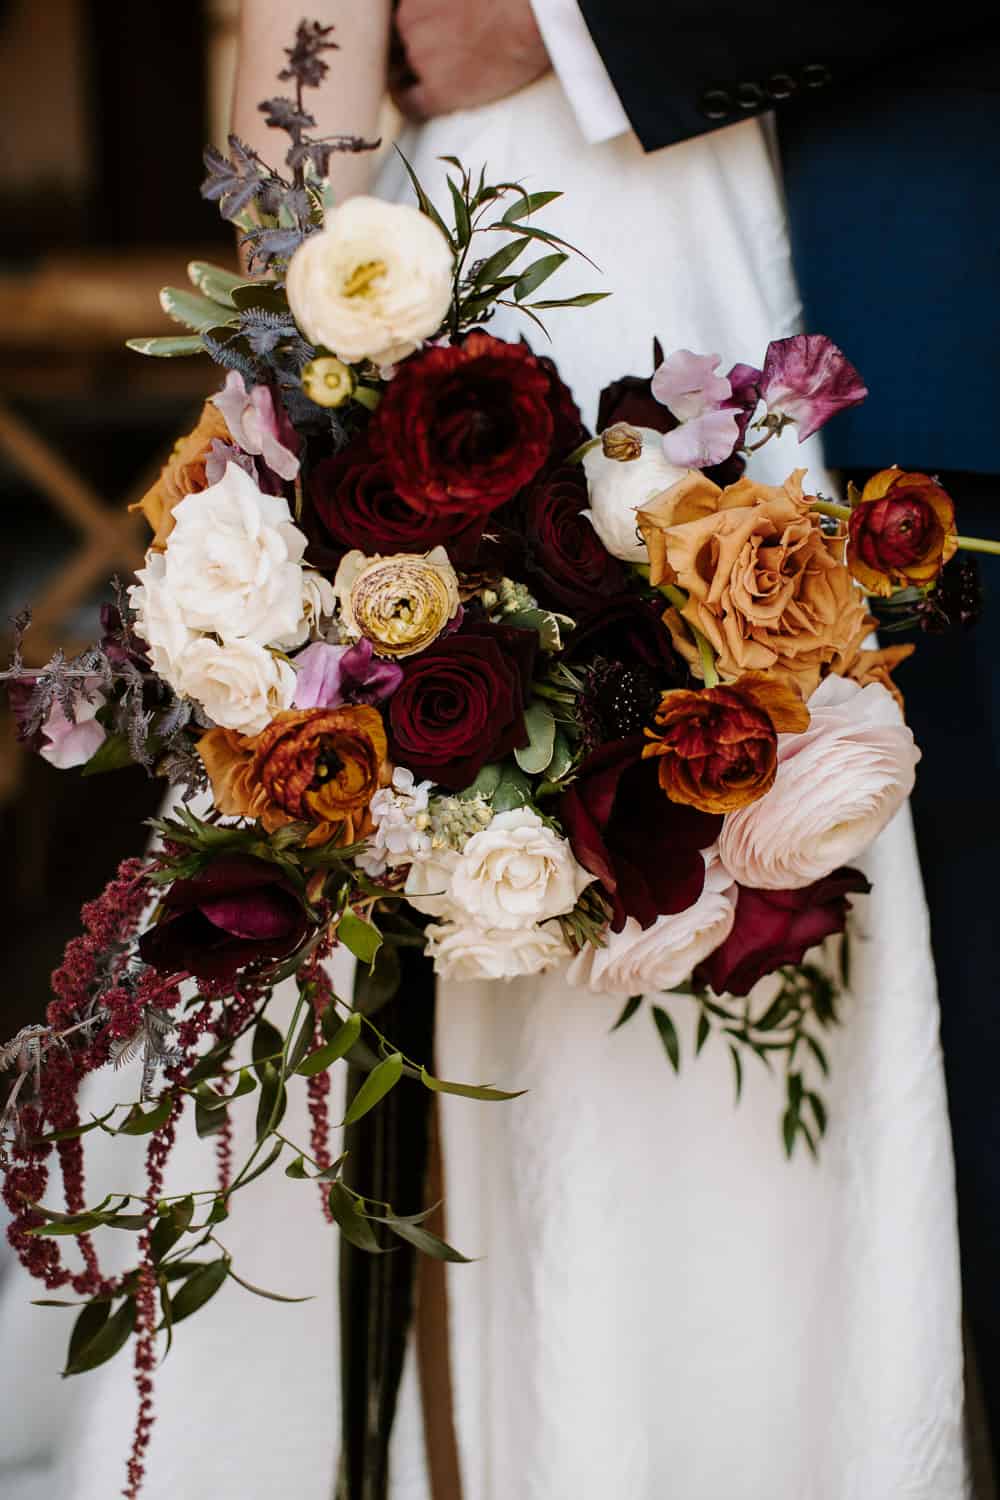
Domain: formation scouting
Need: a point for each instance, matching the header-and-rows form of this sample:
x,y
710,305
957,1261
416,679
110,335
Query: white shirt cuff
x,y
580,67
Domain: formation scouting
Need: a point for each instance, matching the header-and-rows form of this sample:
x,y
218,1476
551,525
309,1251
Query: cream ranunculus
x,y
636,961
240,686
374,283
468,952
233,563
618,489
518,871
159,621
400,603
838,785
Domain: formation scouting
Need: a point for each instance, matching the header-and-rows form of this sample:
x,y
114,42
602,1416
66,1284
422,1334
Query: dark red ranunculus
x,y
568,430
570,566
630,630
463,427
644,849
774,928
352,493
238,910
461,702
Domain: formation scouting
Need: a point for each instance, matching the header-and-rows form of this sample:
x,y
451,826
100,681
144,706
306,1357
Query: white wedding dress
x,y
663,1306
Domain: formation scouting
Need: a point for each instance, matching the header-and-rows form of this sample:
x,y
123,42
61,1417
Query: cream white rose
x,y
838,785
429,883
618,490
465,951
233,562
518,871
159,621
374,283
318,603
637,962
240,686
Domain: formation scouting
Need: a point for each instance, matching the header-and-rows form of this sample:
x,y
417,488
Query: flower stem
x,y
678,599
978,544
828,508
579,454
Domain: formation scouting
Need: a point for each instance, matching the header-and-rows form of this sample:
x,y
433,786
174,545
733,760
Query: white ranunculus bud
x,y
233,562
374,283
240,686
517,872
468,952
618,490
639,961
838,785
159,621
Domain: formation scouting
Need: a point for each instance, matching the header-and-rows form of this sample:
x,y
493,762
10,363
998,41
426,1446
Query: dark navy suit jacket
x,y
889,123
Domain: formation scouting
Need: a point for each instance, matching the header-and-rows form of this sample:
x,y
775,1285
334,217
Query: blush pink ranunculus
x,y
838,784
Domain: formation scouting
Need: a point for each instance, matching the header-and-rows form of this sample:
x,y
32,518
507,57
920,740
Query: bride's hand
x,y
464,54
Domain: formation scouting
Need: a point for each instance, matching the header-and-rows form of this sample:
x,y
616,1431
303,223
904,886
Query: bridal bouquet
x,y
431,666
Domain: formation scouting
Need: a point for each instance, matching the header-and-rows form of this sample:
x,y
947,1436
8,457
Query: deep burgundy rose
x,y
352,493
773,928
463,427
461,703
238,910
644,849
569,565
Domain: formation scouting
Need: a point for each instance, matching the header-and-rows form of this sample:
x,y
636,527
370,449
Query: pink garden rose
x,y
838,784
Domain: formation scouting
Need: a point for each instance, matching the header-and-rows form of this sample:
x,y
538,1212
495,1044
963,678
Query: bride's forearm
x,y
352,93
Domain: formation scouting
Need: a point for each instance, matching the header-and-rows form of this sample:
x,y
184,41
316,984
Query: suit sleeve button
x,y
749,95
816,75
781,86
715,104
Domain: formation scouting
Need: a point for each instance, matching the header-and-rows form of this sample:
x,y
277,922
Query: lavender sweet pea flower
x,y
257,425
807,380
72,742
330,676
688,385
704,441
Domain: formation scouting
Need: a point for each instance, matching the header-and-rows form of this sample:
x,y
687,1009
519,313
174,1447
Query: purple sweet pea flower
x,y
703,441
688,385
745,383
257,425
329,676
807,380
220,455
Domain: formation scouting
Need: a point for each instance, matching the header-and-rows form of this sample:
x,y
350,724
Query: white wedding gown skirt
x,y
663,1306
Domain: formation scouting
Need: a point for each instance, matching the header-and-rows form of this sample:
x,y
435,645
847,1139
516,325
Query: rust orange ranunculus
x,y
901,532
182,474
718,749
318,765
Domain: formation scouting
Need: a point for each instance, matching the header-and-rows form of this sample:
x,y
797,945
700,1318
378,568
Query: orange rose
x,y
878,666
901,532
182,474
315,765
765,585
718,749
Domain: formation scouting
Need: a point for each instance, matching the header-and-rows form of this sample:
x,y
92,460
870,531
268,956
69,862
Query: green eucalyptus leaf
x,y
215,282
549,625
112,755
258,1291
139,1123
737,1071
466,1090
267,1045
537,272
463,224
583,299
496,265
528,204
513,791
424,203
199,1287
534,757
562,757
273,1100
668,1036
426,1242
216,1216
109,1335
170,1226
631,1006
376,986
191,308
361,938
704,1030
337,1047
263,294
375,1087
485,783
169,347
353,1225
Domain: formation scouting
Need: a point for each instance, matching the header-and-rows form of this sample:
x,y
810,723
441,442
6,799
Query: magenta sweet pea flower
x,y
329,676
807,380
688,385
257,425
